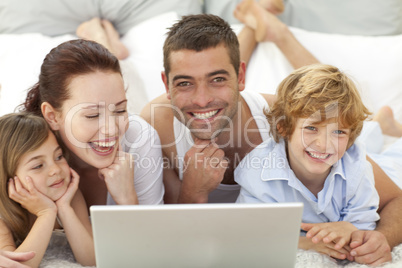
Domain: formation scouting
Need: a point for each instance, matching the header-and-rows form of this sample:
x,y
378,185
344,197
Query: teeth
x,y
320,156
104,143
205,115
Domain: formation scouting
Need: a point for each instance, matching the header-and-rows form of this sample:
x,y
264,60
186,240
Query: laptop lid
x,y
197,235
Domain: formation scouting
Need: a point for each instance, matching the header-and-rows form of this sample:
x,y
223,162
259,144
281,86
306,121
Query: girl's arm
x,y
73,214
43,208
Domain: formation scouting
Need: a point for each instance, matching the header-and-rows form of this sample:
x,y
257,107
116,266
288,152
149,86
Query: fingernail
x,y
353,253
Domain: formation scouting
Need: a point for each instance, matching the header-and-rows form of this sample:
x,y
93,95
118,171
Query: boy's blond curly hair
x,y
316,88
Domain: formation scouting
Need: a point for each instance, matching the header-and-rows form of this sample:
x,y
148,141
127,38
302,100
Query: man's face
x,y
204,90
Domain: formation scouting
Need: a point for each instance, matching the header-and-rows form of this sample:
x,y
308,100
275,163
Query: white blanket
x,y
59,255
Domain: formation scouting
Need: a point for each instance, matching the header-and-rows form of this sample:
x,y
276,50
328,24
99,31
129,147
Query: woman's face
x,y
94,118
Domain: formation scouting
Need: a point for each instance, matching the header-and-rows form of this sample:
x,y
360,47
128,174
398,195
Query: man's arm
x,y
158,113
374,247
390,208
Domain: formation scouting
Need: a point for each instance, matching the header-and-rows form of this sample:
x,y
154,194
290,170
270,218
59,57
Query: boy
x,y
312,157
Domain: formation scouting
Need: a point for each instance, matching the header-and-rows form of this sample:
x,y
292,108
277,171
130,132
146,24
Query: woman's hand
x,y
119,179
29,197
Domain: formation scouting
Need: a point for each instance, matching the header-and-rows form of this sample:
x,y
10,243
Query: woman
x,y
81,95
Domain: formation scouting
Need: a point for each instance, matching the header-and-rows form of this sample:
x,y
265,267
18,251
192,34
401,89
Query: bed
x,y
374,62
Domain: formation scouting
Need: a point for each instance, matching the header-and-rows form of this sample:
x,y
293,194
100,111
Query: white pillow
x,y
58,17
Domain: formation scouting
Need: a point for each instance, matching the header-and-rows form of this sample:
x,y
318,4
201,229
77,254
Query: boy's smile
x,y
314,148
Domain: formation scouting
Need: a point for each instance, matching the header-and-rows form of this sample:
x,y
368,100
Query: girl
x,y
39,192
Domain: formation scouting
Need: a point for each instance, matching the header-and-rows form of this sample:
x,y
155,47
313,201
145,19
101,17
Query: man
x,y
206,127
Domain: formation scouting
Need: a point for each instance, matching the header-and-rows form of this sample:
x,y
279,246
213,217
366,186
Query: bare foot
x,y
276,7
388,124
93,30
243,13
118,48
266,25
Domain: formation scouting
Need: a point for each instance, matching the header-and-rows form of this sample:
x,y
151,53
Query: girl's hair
x,y
20,133
63,63
317,88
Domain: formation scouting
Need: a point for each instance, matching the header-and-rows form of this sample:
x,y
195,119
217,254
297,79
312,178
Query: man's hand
x,y
203,170
370,247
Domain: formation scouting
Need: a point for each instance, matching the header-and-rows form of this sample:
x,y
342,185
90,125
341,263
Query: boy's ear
x,y
50,115
280,129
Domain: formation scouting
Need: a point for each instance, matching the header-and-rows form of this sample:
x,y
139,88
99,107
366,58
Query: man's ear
x,y
50,115
241,77
166,83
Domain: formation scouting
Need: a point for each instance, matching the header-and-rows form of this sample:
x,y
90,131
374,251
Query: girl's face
x,y
47,167
95,117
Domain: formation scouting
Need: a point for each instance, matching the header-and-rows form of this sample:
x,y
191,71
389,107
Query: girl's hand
x,y
29,197
65,200
119,179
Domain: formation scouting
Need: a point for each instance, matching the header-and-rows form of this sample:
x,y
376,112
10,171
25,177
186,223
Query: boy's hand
x,y
29,197
324,248
328,232
65,199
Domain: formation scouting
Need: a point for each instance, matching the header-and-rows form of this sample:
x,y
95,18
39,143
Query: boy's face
x,y
314,147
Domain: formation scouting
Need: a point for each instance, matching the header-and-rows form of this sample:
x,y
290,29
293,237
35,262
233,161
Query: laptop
x,y
196,235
